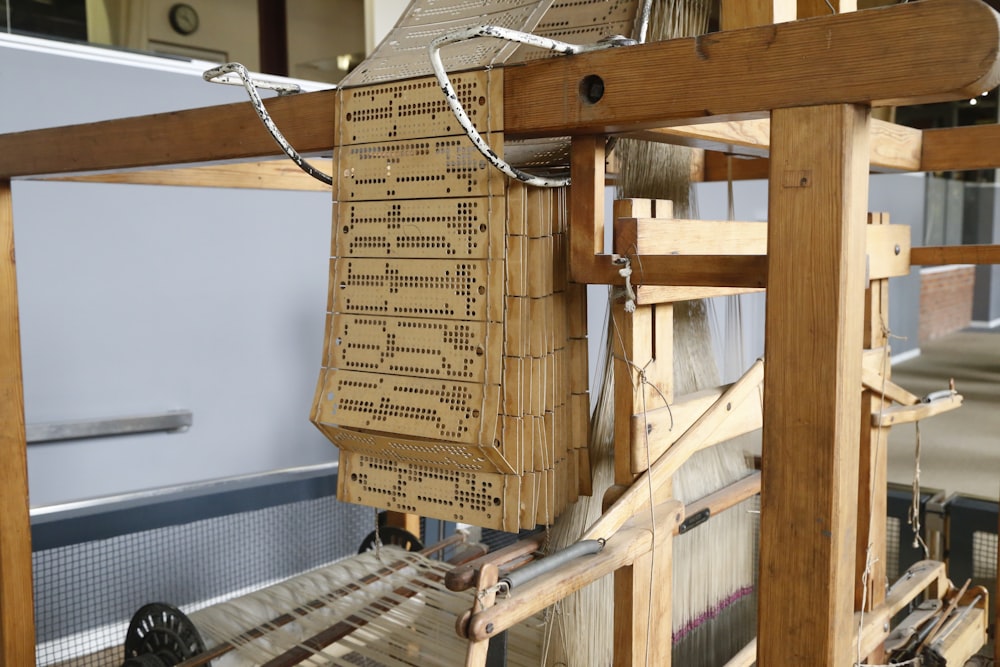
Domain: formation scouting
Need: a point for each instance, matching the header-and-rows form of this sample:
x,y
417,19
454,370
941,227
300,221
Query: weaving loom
x,y
454,374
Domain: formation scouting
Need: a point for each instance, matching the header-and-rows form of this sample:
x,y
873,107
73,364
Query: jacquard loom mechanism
x,y
454,378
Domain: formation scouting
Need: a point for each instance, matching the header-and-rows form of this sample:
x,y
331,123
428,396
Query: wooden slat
x,y
642,620
646,294
642,349
870,554
280,174
225,132
850,57
892,147
895,147
650,243
17,632
719,167
907,414
638,236
961,148
819,172
586,206
873,381
959,254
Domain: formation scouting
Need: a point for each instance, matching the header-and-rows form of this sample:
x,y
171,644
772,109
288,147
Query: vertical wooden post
x,y
873,458
643,359
818,195
408,522
17,629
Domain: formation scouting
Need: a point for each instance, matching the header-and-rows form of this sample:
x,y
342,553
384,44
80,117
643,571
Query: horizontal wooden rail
x,y
892,147
225,132
958,254
961,148
739,74
848,58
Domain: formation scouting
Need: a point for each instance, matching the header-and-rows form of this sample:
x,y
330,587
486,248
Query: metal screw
x,y
897,249
489,628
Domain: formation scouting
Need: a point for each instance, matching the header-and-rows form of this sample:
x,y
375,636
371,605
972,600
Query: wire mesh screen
x,y
984,556
86,593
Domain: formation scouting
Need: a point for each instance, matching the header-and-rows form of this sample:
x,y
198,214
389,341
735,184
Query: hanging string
x,y
378,538
870,560
626,273
640,381
913,515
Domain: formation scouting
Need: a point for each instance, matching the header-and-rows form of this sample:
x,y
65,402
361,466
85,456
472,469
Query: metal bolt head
x,y
489,628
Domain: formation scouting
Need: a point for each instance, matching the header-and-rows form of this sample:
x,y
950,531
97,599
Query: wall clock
x,y
183,18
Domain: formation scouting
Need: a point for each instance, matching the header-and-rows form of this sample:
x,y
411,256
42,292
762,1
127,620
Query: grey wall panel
x,y
138,299
903,197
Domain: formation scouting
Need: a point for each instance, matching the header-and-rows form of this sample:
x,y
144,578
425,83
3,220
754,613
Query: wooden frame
x,y
815,319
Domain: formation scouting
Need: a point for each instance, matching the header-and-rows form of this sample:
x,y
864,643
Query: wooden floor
x,y
960,450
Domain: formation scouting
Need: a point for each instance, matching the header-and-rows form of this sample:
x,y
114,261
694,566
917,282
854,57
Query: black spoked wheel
x,y
161,634
394,536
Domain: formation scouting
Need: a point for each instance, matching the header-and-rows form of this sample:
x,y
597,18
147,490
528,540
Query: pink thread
x,y
711,613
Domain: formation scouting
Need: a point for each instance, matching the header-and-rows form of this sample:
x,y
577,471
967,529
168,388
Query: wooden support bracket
x,y
906,414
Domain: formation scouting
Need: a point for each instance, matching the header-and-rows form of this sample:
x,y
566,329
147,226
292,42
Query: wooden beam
x,y
719,167
226,132
586,206
870,555
17,630
279,174
590,264
651,243
893,147
958,254
847,58
907,414
648,294
874,382
642,350
817,211
961,148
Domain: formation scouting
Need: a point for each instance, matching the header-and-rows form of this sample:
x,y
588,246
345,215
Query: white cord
x,y
626,273
509,35
224,74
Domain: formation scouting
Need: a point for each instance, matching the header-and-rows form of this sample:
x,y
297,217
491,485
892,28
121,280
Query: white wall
x,y
138,299
380,17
